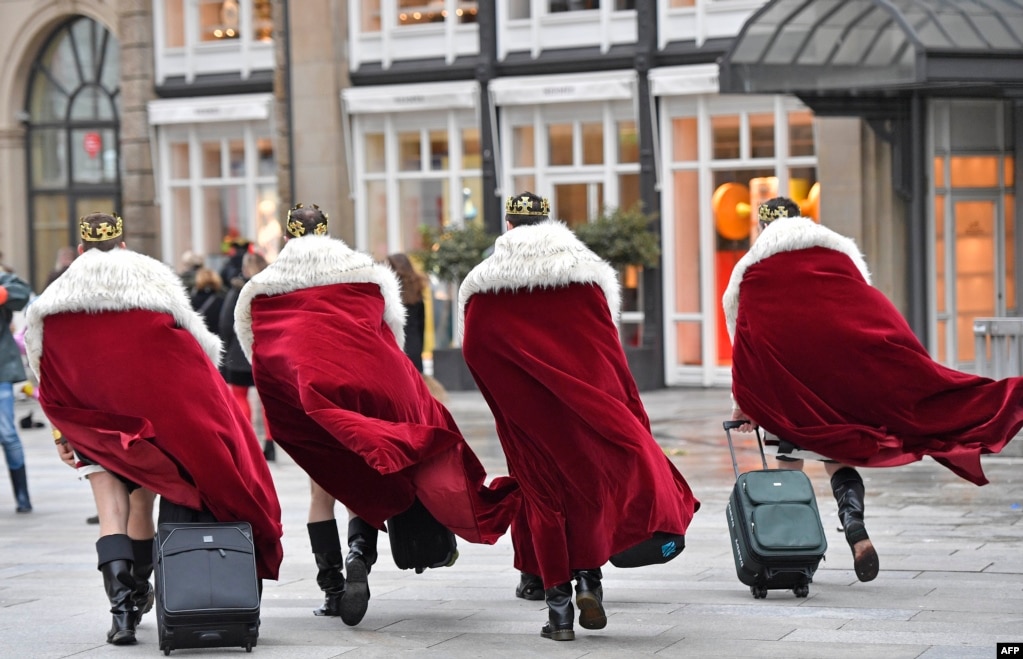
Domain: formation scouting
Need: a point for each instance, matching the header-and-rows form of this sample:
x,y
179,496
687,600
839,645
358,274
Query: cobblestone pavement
x,y
951,581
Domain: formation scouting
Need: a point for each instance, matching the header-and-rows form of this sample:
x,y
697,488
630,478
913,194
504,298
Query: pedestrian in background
x,y
236,368
412,285
14,296
207,297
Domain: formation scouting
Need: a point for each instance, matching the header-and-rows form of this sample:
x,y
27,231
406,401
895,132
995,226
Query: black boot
x,y
326,545
847,485
362,554
19,481
115,562
530,587
560,613
142,570
269,450
589,597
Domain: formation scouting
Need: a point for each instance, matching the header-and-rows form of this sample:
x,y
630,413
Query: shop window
x,y
423,202
374,152
219,19
593,143
211,165
518,9
376,225
471,148
370,15
761,127
628,142
974,171
262,20
49,158
681,3
628,190
559,140
181,227
684,139
625,5
725,129
95,158
423,12
472,198
438,149
174,23
522,183
1010,172
1010,255
801,133
939,172
523,145
558,6
409,152
179,165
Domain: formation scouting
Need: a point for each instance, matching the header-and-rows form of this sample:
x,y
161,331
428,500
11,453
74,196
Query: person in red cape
x,y
323,329
128,375
540,339
823,360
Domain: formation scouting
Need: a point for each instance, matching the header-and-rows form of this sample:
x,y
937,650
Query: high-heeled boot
x,y
142,569
326,545
560,613
847,485
115,562
589,597
362,554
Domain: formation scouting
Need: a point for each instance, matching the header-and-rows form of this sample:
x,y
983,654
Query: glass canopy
x,y
792,46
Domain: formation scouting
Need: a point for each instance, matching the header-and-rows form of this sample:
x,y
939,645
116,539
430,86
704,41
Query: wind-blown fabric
x,y
824,360
322,326
541,341
128,374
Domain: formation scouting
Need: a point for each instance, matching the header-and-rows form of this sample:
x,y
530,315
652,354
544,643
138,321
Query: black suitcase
x,y
419,541
207,590
775,528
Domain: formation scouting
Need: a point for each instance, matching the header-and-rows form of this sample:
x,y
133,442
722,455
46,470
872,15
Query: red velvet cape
x,y
825,360
138,395
573,428
346,403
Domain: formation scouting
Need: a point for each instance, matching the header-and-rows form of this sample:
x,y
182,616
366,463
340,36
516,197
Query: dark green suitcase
x,y
775,528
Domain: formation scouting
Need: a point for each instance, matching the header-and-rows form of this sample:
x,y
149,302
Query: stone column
x,y
138,191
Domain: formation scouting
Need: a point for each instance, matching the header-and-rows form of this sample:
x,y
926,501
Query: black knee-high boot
x,y
326,545
847,485
362,554
115,562
142,570
589,597
560,614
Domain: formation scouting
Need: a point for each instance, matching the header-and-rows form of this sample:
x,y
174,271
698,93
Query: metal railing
x,y
999,347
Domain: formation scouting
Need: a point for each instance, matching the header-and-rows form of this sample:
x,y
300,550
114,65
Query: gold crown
x,y
297,229
524,206
769,214
102,231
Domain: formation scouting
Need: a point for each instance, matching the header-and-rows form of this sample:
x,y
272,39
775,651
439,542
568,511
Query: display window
x,y
723,157
219,184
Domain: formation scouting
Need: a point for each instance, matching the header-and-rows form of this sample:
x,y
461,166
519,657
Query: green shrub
x,y
622,237
451,253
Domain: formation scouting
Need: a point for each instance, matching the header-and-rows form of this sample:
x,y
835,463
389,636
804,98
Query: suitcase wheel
x,y
801,590
759,592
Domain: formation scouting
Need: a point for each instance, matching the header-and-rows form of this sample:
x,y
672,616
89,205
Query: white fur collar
x,y
786,235
318,261
544,255
118,280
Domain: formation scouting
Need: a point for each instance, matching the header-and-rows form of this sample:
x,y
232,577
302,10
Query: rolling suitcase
x,y
207,590
419,541
775,528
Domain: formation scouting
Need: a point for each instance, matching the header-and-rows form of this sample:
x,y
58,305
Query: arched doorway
x,y
72,139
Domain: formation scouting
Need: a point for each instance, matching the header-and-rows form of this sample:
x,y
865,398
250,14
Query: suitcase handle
x,y
731,425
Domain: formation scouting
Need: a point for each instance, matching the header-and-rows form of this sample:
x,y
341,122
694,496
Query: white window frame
x,y
243,55
703,104
450,39
604,27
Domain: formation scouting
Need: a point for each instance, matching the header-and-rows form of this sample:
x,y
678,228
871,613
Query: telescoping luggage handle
x,y
731,425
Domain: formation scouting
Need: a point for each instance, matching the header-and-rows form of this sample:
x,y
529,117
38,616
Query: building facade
x,y
204,119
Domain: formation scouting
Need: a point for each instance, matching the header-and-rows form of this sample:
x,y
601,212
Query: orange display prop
x,y
731,204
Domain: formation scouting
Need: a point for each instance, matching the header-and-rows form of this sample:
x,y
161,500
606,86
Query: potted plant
x,y
449,254
623,238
